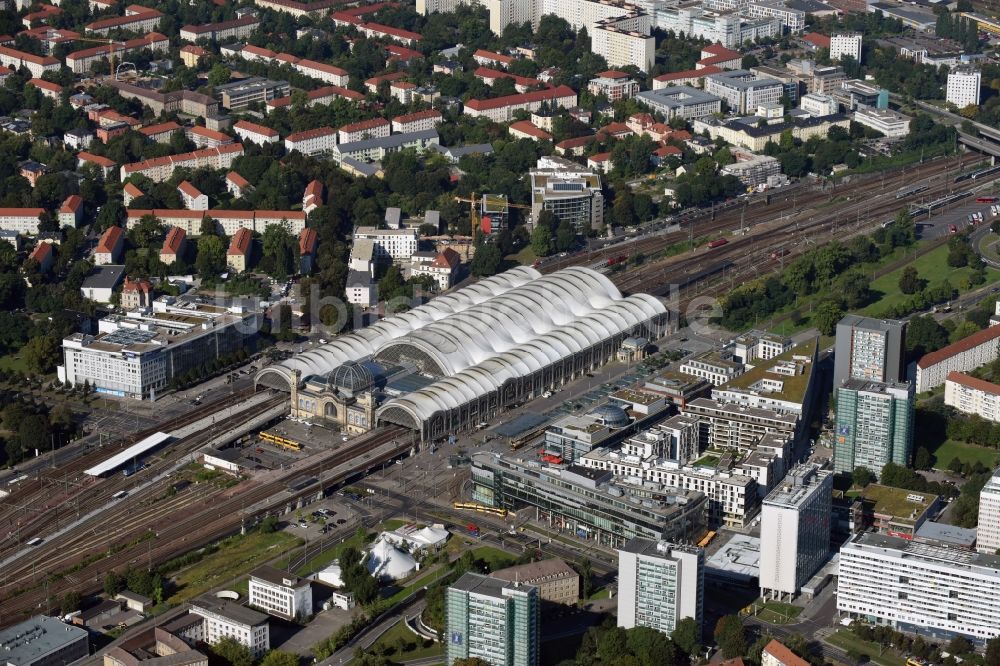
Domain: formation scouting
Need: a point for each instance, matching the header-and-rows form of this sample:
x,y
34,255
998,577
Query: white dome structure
x,y
331,575
386,561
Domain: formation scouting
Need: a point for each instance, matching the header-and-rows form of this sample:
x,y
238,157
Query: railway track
x,y
783,203
751,255
148,533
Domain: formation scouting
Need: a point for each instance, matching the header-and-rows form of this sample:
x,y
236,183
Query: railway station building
x,y
466,356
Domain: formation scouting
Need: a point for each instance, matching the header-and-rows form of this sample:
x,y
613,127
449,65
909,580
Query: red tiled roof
x,y
237,180
240,244
611,74
161,128
195,49
255,128
41,251
72,204
490,55
974,382
184,157
308,240
599,157
716,60
28,57
110,239
46,85
137,285
403,85
310,134
392,76
397,51
577,142
118,21
615,129
525,98
247,19
137,43
419,115
363,125
963,345
133,191
210,133
448,258
816,39
394,32
321,66
190,190
527,127
313,189
174,240
99,160
718,49
21,212
487,73
688,74
784,655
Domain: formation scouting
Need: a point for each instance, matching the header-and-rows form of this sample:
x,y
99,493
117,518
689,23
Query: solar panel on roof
x,y
129,336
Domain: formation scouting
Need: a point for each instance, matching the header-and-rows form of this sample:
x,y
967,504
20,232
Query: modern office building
x,y
568,191
988,529
659,584
892,124
280,593
137,354
920,587
389,244
591,503
963,86
795,531
681,102
870,349
43,641
743,91
874,425
492,619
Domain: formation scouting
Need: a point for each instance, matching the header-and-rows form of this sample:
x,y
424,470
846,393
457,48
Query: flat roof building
x,y
43,641
556,581
869,349
660,584
280,593
681,102
492,619
226,619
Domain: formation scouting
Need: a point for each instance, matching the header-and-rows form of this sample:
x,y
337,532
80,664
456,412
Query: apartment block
x,y
869,348
967,354
660,584
874,425
971,395
492,619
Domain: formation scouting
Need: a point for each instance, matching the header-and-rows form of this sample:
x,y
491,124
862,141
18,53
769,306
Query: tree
x,y
218,75
486,261
232,652
687,636
565,236
828,313
992,655
278,256
471,661
924,335
650,646
922,459
148,230
279,658
211,260
959,645
541,240
113,583
730,636
910,282
69,603
612,645
41,354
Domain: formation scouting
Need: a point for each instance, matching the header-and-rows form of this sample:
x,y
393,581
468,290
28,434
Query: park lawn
x,y
320,561
494,557
389,639
422,581
237,556
524,257
602,593
13,363
776,612
932,267
847,640
970,453
990,247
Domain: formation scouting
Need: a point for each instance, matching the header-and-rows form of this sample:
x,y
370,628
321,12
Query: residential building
x,y
191,55
137,355
614,85
568,191
624,41
204,137
795,531
988,526
971,395
173,245
557,582
136,294
364,155
730,426
660,584
792,20
237,185
35,64
869,349
874,425
375,128
240,248
227,619
963,86
923,588
280,593
130,193
967,354
160,169
179,101
892,124
754,170
416,122
83,60
71,211
681,102
361,289
389,244
845,45
308,242
101,284
443,268
312,197
224,31
777,654
109,248
192,197
78,138
786,383
318,141
572,436
501,109
754,137
492,619
587,502
524,129
754,344
238,95
742,91
44,256
43,641
21,220
227,221
136,19
161,132
259,134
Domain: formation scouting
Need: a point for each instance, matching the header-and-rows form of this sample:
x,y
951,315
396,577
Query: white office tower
x,y
659,584
988,530
963,86
845,45
795,531
926,588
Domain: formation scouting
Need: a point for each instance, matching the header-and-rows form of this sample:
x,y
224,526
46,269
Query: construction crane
x,y
474,216
111,52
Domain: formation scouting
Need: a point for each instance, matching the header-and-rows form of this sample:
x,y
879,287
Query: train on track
x,y
283,442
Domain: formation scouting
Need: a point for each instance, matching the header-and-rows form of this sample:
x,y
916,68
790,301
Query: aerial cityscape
x,y
499,333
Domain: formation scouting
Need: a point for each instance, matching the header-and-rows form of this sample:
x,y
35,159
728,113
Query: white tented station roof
x,y
416,538
126,455
386,561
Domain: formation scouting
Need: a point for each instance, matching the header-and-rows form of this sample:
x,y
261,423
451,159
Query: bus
x,y
34,542
481,508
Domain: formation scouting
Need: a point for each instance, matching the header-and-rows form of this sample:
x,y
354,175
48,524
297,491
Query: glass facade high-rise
x,y
874,425
493,619
659,584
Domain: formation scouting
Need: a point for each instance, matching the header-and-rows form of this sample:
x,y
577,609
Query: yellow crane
x,y
474,217
111,52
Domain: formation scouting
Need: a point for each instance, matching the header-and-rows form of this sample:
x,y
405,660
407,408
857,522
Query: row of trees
x,y
31,427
